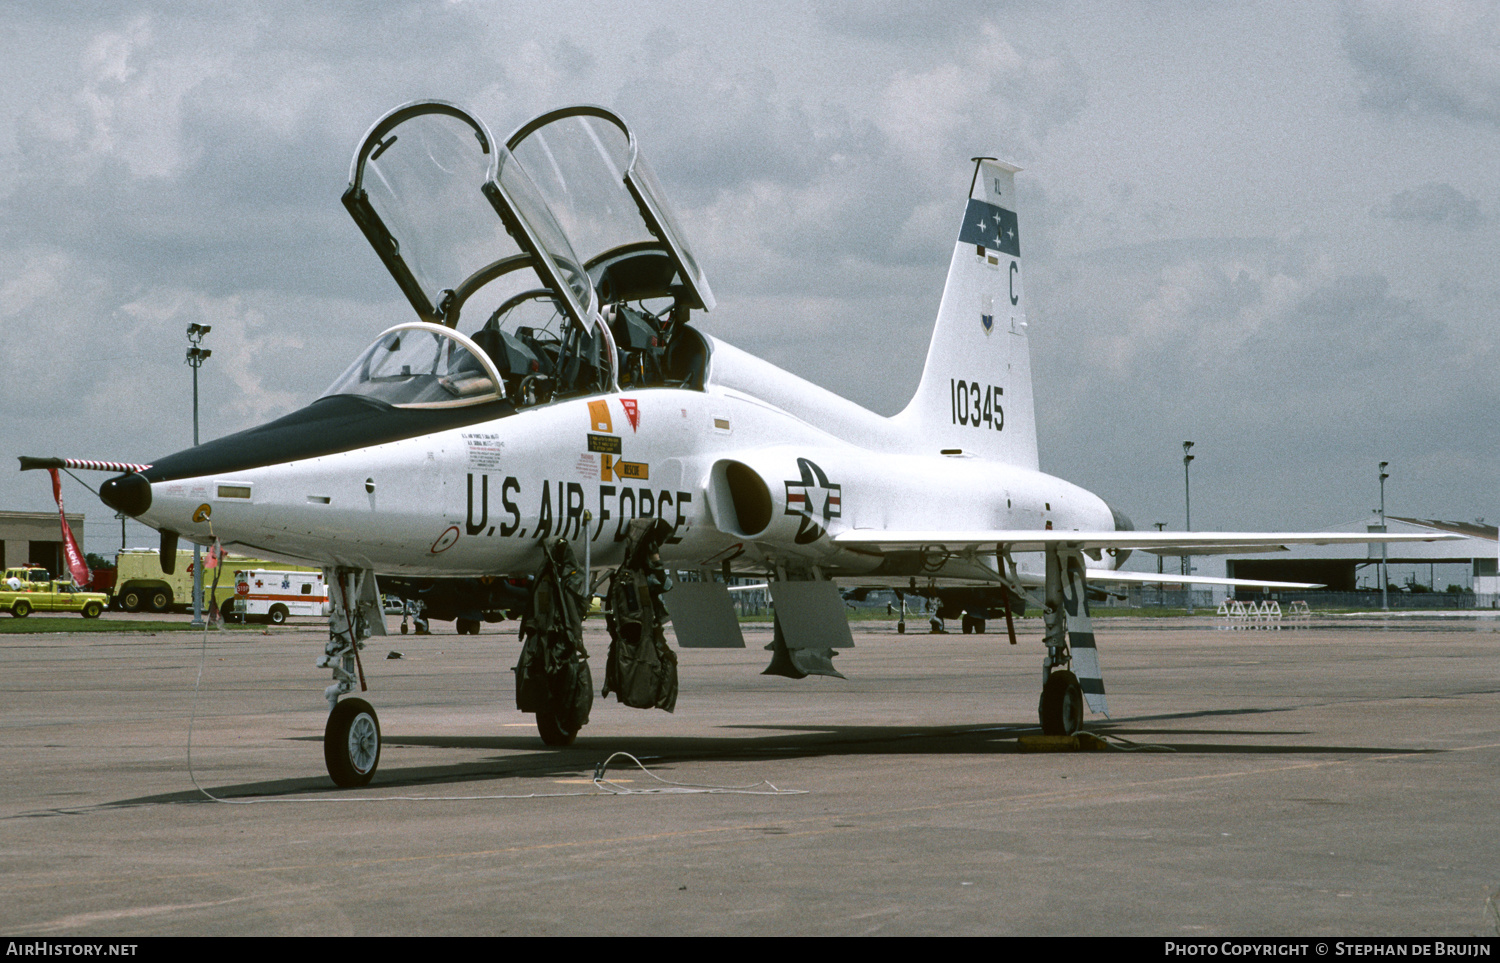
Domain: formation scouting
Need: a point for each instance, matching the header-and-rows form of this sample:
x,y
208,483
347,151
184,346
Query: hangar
x,y
35,538
1472,561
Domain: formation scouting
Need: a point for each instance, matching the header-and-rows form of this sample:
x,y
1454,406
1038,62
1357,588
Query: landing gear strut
x,y
351,739
1070,671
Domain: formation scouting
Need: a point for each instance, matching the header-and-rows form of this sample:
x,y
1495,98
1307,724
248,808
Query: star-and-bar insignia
x,y
814,500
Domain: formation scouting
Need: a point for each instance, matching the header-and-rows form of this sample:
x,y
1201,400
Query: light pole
x,y
1187,487
1160,601
196,355
1187,494
1384,600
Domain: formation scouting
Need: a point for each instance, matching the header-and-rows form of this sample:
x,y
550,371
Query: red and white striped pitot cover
x,y
90,465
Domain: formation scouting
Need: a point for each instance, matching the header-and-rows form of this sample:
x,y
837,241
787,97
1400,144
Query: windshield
x,y
421,365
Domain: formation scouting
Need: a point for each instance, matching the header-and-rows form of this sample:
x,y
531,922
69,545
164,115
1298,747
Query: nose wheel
x,y
351,743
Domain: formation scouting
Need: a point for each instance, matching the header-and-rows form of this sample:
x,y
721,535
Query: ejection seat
x,y
685,364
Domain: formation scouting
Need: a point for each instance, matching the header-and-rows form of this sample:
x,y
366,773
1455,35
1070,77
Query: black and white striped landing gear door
x,y
1071,675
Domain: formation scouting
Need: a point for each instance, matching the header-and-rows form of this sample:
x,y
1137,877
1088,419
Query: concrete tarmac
x,y
1334,780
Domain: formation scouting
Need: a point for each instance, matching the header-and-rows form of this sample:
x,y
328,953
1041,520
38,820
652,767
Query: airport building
x,y
1419,573
35,538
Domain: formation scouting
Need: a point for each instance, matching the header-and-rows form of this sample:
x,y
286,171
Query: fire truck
x,y
141,583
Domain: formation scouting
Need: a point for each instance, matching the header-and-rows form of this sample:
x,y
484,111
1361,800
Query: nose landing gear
x,y
351,739
351,743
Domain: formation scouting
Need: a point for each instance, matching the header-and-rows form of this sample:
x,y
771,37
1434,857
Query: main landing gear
x,y
1071,666
1061,704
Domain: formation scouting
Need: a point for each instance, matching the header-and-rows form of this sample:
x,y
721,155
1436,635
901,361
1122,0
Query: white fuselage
x,y
479,500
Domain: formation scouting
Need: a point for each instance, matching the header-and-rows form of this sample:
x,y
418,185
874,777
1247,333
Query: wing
x,y
1161,543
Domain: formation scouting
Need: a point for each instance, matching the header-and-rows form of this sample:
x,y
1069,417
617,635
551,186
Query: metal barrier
x,y
1265,614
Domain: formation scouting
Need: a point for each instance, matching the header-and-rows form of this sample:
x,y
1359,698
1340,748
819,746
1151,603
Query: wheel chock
x,y
1079,741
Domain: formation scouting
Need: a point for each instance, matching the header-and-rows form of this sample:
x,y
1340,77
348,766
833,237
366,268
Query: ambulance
x,y
274,595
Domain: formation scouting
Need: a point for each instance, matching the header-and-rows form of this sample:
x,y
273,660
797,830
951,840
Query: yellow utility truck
x,y
27,589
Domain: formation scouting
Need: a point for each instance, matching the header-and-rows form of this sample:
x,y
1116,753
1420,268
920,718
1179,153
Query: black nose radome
x,y
130,494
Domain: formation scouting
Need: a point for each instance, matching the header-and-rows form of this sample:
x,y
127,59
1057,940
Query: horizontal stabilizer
x,y
1151,578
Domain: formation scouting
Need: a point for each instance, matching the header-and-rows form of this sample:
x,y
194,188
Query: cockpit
x,y
544,268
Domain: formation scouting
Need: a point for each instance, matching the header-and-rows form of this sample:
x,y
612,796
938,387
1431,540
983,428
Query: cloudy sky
x,y
1270,228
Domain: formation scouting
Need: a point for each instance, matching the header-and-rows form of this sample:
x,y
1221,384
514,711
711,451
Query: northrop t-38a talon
x,y
553,386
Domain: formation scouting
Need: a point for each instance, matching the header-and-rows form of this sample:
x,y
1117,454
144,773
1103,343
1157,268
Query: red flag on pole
x,y
77,567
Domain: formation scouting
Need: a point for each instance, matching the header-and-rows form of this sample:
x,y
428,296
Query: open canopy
x,y
585,162
448,210
567,199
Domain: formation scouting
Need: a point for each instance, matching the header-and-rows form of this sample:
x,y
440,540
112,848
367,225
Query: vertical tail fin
x,y
975,393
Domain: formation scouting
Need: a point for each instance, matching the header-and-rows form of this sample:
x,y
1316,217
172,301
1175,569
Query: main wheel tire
x,y
21,609
466,626
92,610
158,600
979,626
277,615
900,628
1061,705
131,601
552,732
351,743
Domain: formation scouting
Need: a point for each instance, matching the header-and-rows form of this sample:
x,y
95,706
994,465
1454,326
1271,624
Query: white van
x,y
274,595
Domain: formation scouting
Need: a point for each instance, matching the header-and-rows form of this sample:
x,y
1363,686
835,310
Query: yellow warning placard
x,y
599,416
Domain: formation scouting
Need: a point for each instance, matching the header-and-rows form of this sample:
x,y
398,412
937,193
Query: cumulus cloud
x,y
1432,203
1431,57
989,85
1269,353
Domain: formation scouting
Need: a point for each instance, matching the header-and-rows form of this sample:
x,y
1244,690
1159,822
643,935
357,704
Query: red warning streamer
x,y
76,565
